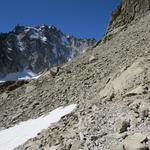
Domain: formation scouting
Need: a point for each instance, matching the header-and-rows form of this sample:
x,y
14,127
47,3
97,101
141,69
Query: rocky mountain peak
x,y
127,11
37,48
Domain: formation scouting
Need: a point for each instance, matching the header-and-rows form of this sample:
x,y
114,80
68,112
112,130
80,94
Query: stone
x,y
117,147
123,81
144,110
75,145
29,88
137,91
121,135
121,125
53,148
92,59
54,71
135,105
136,141
4,96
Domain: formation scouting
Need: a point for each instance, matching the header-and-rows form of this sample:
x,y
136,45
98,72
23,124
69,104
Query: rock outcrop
x,y
129,81
127,11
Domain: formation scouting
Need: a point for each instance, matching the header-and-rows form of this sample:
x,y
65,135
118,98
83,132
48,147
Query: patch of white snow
x,y
19,134
44,39
35,35
21,75
20,44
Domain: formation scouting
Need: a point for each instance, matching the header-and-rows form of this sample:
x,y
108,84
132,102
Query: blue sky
x,y
81,18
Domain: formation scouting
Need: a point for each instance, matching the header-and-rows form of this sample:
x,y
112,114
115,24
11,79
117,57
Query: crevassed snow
x,y
19,134
25,74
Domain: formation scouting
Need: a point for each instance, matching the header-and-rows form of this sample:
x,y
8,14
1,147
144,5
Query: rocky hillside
x,y
110,84
37,48
127,11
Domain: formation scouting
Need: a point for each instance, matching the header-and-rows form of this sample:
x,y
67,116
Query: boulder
x,y
136,141
129,80
144,110
137,91
54,71
4,96
117,147
29,88
121,125
75,145
92,59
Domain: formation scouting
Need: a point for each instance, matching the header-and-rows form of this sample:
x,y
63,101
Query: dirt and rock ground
x,y
110,84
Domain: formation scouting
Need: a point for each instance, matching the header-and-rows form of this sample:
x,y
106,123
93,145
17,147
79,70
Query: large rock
x,y
129,81
29,88
144,110
136,141
121,125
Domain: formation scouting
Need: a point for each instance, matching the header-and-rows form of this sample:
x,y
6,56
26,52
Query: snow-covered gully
x,y
19,134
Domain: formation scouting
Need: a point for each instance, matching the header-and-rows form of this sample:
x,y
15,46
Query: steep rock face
x,y
127,11
37,48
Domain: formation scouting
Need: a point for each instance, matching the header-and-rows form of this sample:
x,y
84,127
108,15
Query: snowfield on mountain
x,y
17,135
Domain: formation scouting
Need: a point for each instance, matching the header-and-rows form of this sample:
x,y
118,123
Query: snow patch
x,y
19,134
22,75
10,49
44,39
35,35
32,28
38,35
19,43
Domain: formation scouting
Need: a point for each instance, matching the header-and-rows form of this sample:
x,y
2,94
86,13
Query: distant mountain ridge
x,y
37,48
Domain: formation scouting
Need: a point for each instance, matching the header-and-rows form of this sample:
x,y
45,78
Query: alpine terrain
x,y
99,100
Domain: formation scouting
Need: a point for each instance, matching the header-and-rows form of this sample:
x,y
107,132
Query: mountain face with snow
x,y
37,48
